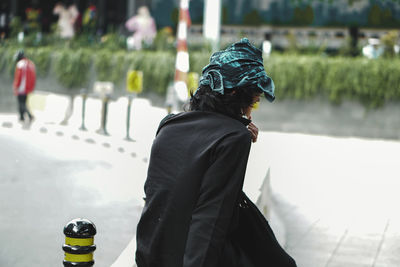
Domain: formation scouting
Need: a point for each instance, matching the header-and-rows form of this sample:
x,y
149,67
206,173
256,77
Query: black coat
x,y
193,188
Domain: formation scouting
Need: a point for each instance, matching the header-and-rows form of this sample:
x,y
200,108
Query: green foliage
x,y
72,67
113,41
349,49
371,82
198,61
303,16
42,59
158,69
253,18
7,62
389,40
225,14
15,26
110,66
379,17
374,16
118,71
103,65
164,39
297,77
175,15
293,47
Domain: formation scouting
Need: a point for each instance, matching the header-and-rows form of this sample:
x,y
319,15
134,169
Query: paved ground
x,y
337,196
50,177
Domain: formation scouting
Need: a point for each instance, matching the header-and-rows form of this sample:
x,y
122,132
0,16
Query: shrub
x,y
7,62
72,67
158,69
103,65
42,59
371,82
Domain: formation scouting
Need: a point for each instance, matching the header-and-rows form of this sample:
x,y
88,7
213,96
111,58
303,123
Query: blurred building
x,y
284,13
332,38
363,13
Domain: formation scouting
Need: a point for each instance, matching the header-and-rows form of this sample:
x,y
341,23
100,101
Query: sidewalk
x,y
338,198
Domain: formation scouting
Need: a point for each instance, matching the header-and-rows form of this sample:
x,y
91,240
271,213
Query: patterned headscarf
x,y
240,65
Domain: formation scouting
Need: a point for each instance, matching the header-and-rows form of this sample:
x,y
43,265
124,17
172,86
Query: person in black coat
x,y
193,214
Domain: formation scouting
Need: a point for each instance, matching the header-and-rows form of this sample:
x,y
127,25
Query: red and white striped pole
x,y
182,56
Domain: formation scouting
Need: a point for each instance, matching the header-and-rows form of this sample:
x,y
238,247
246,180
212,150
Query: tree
x,y
387,17
253,18
175,18
225,16
374,16
303,16
308,15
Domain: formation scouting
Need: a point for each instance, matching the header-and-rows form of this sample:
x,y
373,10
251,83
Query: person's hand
x,y
254,131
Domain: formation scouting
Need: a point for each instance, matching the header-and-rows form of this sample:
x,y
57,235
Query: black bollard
x,y
79,239
84,97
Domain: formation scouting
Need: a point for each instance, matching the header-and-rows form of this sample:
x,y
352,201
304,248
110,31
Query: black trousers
x,y
22,108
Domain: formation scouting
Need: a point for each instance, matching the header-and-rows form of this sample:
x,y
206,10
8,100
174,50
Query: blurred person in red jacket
x,y
24,83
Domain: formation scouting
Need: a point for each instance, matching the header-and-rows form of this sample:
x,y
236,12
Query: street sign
x,y
103,88
134,81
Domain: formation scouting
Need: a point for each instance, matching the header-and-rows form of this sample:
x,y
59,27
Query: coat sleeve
x,y
218,195
17,79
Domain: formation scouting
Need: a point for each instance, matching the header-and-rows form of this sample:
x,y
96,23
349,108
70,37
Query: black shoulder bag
x,y
256,239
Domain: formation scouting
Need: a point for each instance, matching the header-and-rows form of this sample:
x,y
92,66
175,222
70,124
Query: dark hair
x,y
231,103
19,55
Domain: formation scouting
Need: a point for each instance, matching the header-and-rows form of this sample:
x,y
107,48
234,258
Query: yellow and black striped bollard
x,y
79,243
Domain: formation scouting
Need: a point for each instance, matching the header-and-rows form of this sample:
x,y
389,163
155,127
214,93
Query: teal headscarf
x,y
240,65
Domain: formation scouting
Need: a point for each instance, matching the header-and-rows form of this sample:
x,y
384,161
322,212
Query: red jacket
x,y
24,77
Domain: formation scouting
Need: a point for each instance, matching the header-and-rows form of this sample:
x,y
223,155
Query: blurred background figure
x,y
373,49
33,18
4,21
396,48
144,28
267,45
78,20
75,17
89,20
24,83
66,20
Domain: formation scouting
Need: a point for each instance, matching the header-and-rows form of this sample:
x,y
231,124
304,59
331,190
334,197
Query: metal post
x,y
79,243
84,97
212,22
104,110
128,118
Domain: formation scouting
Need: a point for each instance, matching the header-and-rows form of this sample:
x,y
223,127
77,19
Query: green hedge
x,y
72,67
372,82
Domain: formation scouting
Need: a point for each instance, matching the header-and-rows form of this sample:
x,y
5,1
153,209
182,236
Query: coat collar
x,y
244,120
